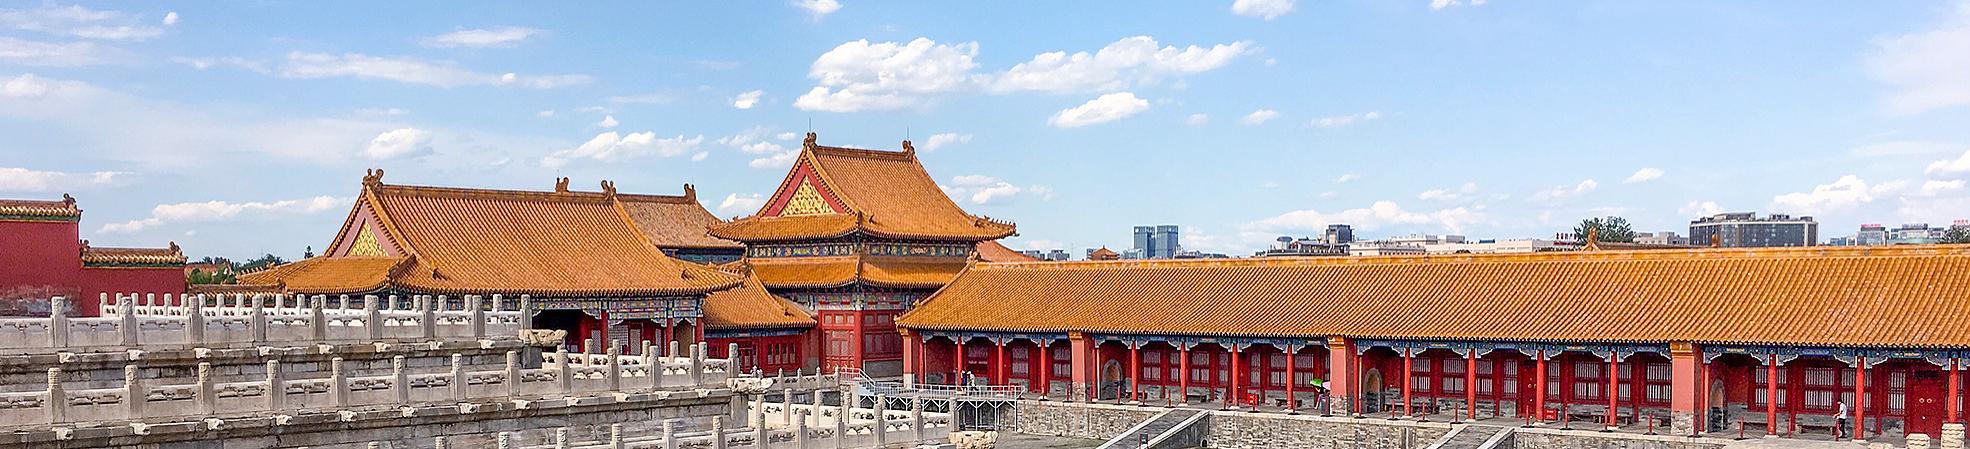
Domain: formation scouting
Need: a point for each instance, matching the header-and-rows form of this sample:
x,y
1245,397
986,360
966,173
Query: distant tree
x,y
1607,229
263,262
1957,234
200,277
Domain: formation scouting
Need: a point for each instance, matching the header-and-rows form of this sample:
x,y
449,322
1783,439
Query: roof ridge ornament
x,y
909,149
1593,240
690,192
808,144
561,185
373,177
608,187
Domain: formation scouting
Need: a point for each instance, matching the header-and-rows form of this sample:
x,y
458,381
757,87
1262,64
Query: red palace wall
x,y
771,354
40,258
149,280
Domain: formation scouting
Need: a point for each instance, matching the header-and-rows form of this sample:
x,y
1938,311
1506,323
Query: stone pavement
x,y
1009,440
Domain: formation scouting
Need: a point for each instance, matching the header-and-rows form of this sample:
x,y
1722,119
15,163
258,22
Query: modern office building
x,y
1661,238
1747,230
1338,234
1872,234
1154,242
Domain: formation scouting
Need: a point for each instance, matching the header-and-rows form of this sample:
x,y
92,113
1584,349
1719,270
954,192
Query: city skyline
x,y
237,131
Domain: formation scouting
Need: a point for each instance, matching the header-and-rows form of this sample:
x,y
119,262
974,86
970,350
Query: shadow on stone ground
x,y
1022,441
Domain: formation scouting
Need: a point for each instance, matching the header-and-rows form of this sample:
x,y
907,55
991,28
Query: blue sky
x,y
243,128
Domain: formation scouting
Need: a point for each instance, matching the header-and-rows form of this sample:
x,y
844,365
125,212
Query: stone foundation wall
x,y
174,366
1538,438
1240,430
1078,420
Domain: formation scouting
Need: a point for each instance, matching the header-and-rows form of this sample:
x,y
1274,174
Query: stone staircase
x,y
1474,437
1161,431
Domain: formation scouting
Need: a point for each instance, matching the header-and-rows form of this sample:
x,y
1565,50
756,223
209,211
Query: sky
x,y
236,129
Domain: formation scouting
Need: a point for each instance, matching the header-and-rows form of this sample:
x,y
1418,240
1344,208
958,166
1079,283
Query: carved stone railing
x,y
137,400
131,321
809,431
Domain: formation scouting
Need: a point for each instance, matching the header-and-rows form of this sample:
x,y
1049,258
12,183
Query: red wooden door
x,y
1925,402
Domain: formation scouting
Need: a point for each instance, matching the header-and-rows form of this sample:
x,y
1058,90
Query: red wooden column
x,y
1949,403
1539,387
1613,388
1001,366
1232,386
1860,397
1703,393
1340,372
1771,394
1292,377
1470,382
910,357
670,325
1078,345
957,359
1183,373
1135,371
1408,374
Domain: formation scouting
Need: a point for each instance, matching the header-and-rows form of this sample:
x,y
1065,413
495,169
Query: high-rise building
x,y
1872,234
1747,230
1661,238
1338,234
1154,242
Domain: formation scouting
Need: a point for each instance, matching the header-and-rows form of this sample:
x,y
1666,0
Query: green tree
x,y
1606,229
261,263
1957,234
200,277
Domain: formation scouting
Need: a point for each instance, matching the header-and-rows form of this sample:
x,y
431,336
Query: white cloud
x,y
1259,116
1700,209
1904,148
980,189
748,99
611,147
860,75
1561,194
1446,195
544,113
767,154
15,179
229,61
1344,120
608,121
81,22
1131,61
1103,109
818,8
1646,174
301,65
401,142
171,18
1197,119
52,54
1925,70
382,112
1933,187
24,86
735,204
216,210
1346,178
1438,5
940,140
1381,214
482,37
700,156
1263,9
1951,167
1843,194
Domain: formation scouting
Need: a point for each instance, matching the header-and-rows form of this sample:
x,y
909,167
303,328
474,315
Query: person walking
x,y
1840,421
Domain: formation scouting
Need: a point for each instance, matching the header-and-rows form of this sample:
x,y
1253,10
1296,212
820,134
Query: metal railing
x,y
855,376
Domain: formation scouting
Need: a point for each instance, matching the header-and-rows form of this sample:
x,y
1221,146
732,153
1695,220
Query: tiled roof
x,y
478,241
327,275
94,256
234,289
1104,253
799,227
890,189
1875,297
63,210
836,271
993,251
674,221
750,306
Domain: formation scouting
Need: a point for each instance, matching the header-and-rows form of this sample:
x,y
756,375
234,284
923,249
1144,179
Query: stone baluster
x,y
648,350
1952,436
343,303
440,443
150,304
102,302
786,407
318,318
916,418
195,319
526,312
587,348
732,360
563,372
399,380
614,373
561,438
503,441
760,435
841,428
718,433
670,434
800,431
499,303
276,387
849,400
817,407
57,400
373,318
259,314
757,412
458,377
338,388
882,421
697,364
58,322
207,403
673,351
393,305
615,436
134,394
126,324
428,316
477,315
1918,441
512,373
